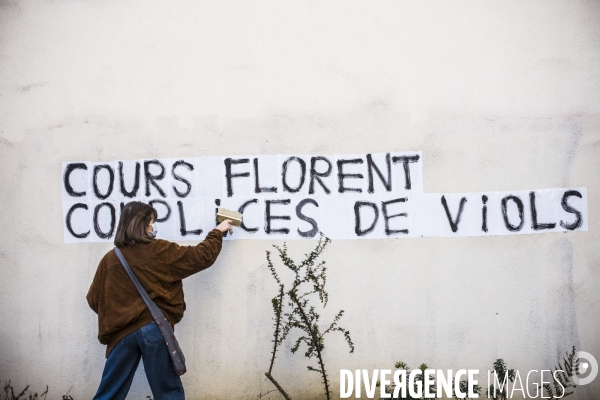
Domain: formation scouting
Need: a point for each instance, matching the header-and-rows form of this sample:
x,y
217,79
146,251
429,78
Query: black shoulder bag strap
x,y
163,323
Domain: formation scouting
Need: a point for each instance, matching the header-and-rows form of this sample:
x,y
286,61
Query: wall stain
x,y
55,126
6,142
27,88
573,126
6,4
564,293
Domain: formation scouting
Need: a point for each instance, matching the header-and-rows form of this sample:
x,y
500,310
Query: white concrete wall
x,y
498,95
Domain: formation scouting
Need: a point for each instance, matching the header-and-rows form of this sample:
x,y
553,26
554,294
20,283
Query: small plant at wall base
x,y
562,375
464,388
503,373
417,384
294,311
9,393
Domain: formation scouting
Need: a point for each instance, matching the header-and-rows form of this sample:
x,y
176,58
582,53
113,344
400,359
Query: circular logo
x,y
587,370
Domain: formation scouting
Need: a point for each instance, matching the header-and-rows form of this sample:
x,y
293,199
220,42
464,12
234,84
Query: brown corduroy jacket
x,y
159,266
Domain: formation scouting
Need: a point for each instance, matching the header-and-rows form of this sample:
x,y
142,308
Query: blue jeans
x,y
148,343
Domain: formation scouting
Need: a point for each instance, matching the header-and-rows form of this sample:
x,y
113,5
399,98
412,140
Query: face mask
x,y
154,231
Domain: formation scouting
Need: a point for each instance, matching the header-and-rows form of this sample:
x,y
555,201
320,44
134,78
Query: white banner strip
x,y
369,196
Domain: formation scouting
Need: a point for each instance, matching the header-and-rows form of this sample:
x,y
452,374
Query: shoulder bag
x,y
163,323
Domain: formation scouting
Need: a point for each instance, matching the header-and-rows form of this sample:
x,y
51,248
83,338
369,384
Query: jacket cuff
x,y
218,232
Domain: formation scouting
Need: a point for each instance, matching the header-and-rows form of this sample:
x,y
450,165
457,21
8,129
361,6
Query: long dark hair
x,y
135,218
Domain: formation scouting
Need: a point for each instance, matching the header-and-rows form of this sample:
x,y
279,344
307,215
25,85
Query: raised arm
x,y
187,260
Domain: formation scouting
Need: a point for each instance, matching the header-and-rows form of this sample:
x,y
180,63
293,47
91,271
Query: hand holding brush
x,y
232,217
225,226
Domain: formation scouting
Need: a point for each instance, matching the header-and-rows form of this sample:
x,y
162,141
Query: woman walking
x,y
125,325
